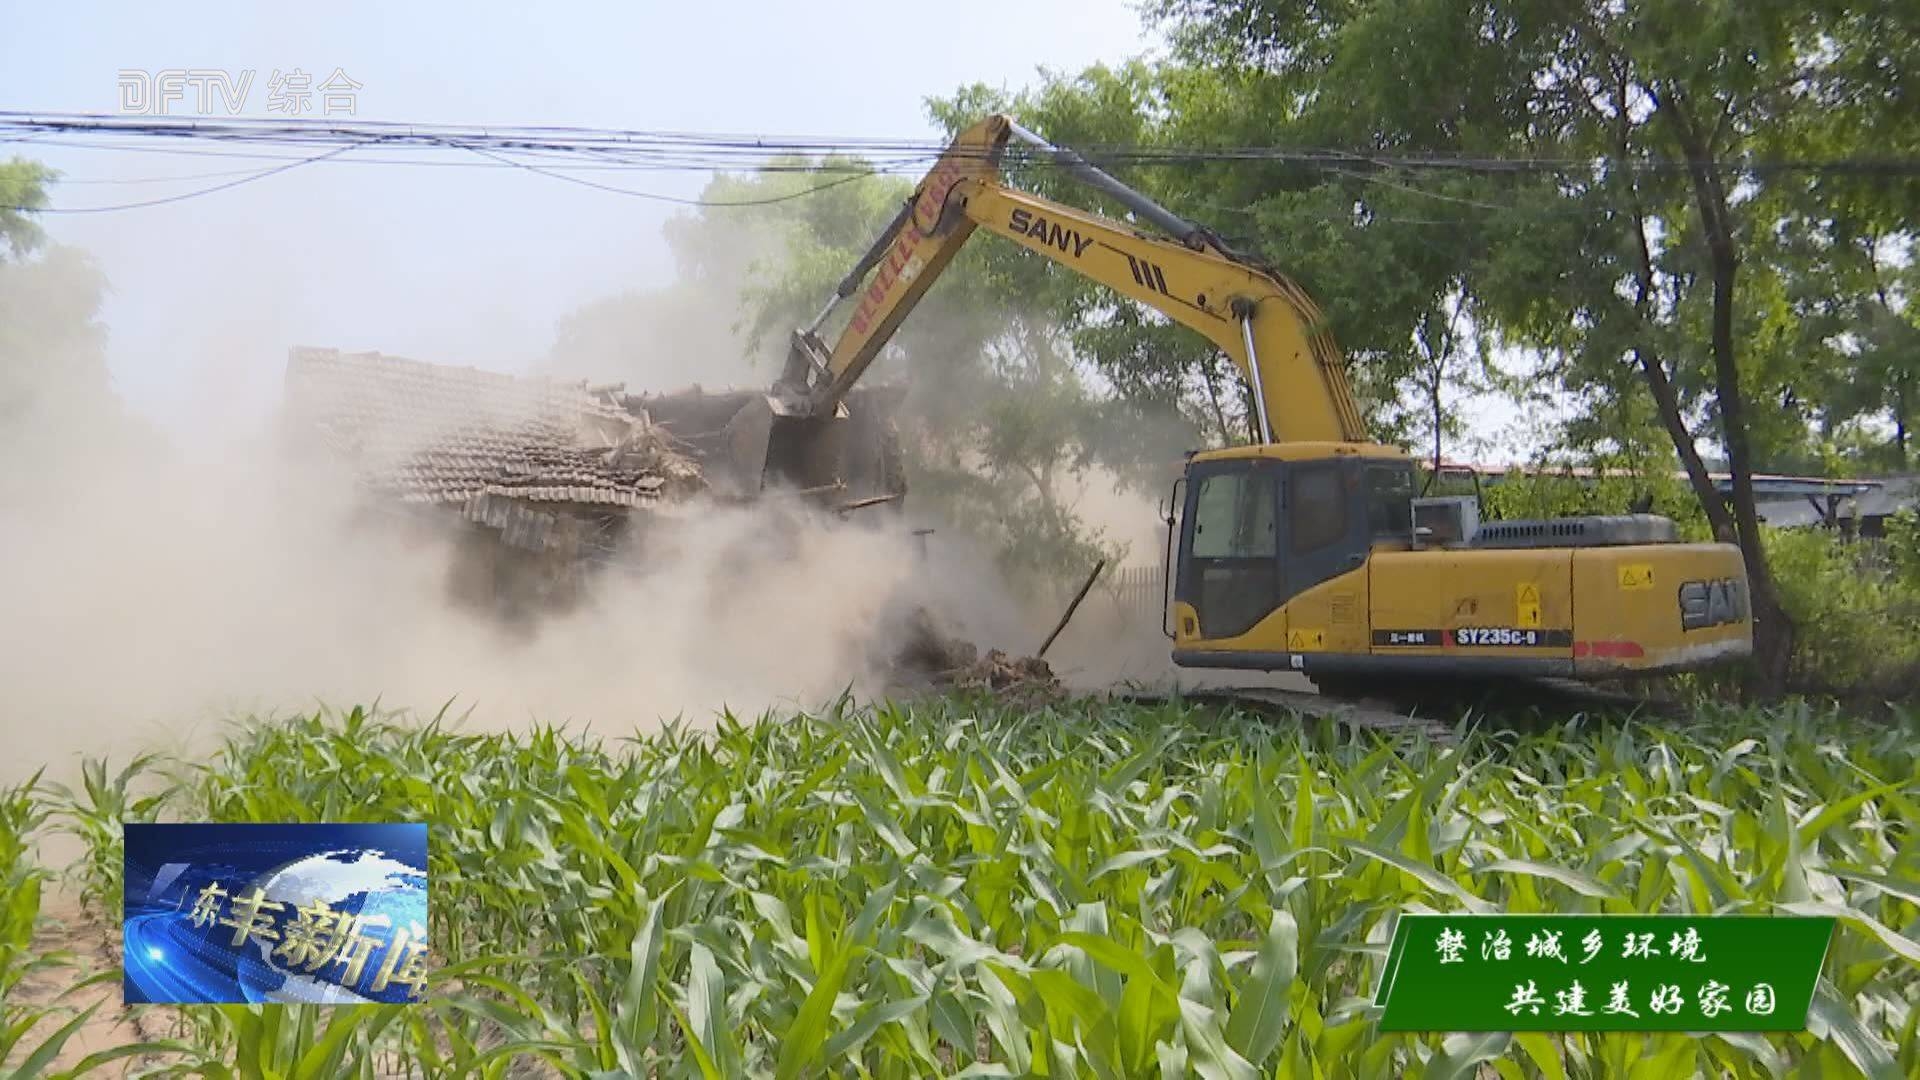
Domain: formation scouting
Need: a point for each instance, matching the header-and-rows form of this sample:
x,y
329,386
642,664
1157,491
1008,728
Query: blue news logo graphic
x,y
321,914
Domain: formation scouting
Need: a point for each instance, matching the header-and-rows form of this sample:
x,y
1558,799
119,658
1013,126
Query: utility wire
x,y
584,182
603,167
181,179
706,150
183,196
682,151
495,161
597,164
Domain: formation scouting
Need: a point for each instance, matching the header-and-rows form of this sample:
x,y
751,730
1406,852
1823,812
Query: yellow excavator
x,y
1306,549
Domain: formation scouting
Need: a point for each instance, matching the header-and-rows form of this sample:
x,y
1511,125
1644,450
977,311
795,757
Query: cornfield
x,y
962,888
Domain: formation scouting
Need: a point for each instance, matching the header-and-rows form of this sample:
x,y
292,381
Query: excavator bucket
x,y
745,443
769,446
747,437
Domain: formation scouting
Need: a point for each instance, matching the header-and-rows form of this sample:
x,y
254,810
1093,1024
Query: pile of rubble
x,y
999,672
945,661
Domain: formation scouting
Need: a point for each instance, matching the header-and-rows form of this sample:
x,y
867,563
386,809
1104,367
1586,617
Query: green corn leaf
x,y
1461,1055
44,1054
1425,874
1584,884
1832,1021
708,1017
1258,1020
802,1043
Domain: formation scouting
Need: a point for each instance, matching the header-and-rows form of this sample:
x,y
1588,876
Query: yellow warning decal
x,y
1526,601
1636,575
1306,640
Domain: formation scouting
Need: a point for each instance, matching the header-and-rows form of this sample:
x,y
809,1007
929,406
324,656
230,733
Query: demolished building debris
x,y
427,433
932,654
545,473
549,477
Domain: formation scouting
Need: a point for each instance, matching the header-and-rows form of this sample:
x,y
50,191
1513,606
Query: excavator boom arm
x,y
897,270
1265,323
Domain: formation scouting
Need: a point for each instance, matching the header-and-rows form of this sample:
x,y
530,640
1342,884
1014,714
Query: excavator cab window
x,y
1326,523
1319,507
1258,533
1231,569
1390,502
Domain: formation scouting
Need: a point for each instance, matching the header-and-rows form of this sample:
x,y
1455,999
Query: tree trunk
x,y
1900,382
1438,417
1213,396
1900,423
1665,400
1773,629
1438,353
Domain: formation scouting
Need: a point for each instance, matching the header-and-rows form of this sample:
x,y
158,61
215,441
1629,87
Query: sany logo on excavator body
x,y
1049,232
1713,603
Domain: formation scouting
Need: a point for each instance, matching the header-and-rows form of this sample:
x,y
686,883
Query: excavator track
x,y
1440,717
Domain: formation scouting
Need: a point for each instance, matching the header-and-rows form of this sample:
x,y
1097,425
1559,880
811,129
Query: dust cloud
x,y
153,594
158,585
1114,637
686,333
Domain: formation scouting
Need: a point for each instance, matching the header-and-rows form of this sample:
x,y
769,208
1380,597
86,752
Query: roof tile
x,y
428,433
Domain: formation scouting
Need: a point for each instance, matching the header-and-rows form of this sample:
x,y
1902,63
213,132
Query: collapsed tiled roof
x,y
427,433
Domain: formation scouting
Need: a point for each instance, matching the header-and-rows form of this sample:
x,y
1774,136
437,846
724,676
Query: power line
x,y
496,160
709,150
65,180
183,196
614,165
181,178
560,149
538,170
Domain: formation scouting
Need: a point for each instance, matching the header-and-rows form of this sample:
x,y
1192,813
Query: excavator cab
x,y
1257,530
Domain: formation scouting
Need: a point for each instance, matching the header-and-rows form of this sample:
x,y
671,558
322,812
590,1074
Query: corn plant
x,y
960,887
95,814
22,813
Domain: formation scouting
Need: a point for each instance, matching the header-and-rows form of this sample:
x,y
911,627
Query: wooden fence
x,y
1137,590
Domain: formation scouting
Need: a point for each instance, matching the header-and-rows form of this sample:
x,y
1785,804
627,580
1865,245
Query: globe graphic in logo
x,y
389,897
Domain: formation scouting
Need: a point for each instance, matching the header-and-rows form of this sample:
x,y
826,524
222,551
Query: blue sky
x,y
463,265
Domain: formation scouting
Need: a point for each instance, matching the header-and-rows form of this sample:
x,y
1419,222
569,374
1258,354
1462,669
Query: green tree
x,y
1394,283
52,346
696,328
23,190
1848,284
1656,262
54,384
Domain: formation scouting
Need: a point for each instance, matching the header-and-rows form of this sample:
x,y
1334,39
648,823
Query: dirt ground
x,y
94,949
